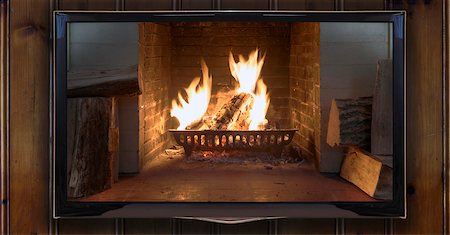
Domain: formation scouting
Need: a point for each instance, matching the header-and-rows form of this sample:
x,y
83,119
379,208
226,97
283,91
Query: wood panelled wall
x,y
29,123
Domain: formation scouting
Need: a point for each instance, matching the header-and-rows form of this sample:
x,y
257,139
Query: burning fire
x,y
247,74
260,106
250,87
198,95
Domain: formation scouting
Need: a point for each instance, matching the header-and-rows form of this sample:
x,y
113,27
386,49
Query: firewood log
x,y
234,114
350,122
382,120
88,146
368,173
104,82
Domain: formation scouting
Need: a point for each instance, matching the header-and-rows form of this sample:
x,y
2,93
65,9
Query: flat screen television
x,y
228,114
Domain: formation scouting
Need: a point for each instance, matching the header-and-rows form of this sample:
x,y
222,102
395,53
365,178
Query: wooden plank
x,y
364,226
244,4
196,4
4,162
147,226
188,226
86,4
131,5
424,125
306,5
353,5
29,133
306,226
447,117
86,226
257,227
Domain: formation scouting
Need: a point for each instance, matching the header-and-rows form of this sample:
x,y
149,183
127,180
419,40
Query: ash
x,y
289,154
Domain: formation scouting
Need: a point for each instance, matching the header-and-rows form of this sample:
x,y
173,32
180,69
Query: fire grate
x,y
267,140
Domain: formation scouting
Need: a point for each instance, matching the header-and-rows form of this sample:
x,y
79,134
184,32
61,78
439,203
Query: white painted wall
x,y
103,44
348,62
111,45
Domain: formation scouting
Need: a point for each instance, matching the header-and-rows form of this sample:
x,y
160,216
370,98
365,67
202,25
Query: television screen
x,y
217,113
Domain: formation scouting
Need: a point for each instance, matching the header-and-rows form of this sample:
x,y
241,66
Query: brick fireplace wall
x,y
154,80
170,57
214,40
305,87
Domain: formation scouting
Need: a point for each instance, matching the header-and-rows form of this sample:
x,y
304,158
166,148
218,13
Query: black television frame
x,y
395,208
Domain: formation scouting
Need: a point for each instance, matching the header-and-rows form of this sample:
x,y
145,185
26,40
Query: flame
x,y
247,74
260,106
195,106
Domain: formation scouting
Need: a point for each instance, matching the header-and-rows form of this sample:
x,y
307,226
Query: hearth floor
x,y
175,179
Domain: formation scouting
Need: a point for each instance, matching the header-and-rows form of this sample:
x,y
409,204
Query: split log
x,y
113,139
234,114
104,82
350,122
368,173
88,147
382,125
197,125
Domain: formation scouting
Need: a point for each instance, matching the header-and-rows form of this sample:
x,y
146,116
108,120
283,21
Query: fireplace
x,y
180,52
221,111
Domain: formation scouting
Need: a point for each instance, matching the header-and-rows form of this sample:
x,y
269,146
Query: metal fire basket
x,y
267,140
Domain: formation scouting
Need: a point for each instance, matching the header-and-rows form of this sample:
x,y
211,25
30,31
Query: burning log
x,y
234,114
196,125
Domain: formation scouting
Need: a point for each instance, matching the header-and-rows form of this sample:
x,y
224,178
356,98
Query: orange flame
x,y
195,106
260,106
247,74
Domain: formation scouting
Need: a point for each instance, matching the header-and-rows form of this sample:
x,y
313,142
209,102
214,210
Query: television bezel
x,y
63,208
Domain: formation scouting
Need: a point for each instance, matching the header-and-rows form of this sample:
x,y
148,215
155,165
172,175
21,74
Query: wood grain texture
x,y
29,124
364,226
424,125
257,227
447,115
86,4
193,227
88,145
361,169
196,4
4,107
306,5
382,115
29,89
86,226
306,226
147,226
4,112
245,4
352,5
133,5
